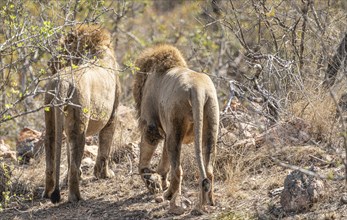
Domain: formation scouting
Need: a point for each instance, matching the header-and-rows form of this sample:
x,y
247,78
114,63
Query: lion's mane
x,y
157,60
82,44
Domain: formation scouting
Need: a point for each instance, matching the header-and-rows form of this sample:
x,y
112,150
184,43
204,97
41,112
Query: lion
x,y
84,94
179,106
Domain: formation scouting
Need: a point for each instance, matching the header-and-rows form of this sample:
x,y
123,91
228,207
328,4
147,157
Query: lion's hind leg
x,y
207,185
173,193
76,137
76,152
101,168
50,153
149,141
164,168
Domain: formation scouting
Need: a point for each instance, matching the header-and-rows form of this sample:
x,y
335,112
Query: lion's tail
x,y
198,102
205,110
62,93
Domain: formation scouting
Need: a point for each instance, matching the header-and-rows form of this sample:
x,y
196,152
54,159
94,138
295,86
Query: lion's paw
x,y
153,182
110,174
103,173
202,210
74,198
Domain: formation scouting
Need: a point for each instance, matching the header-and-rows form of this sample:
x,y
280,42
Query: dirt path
x,y
121,197
245,179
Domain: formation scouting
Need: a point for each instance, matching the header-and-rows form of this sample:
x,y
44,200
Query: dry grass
x,y
318,108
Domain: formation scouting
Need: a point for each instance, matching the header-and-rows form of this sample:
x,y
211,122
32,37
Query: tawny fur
x,y
180,106
92,92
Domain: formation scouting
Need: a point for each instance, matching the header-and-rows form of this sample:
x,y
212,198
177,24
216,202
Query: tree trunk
x,y
335,63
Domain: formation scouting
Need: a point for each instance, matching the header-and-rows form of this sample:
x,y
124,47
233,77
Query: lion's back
x,y
179,82
170,94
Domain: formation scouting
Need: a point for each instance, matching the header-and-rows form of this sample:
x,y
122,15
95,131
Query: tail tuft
x,y
55,197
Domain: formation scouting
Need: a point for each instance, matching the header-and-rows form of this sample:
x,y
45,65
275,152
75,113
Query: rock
x,y
9,155
301,191
87,162
344,198
29,143
90,151
6,153
3,146
159,199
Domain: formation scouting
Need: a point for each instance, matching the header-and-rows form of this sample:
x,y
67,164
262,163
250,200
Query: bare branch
x,y
305,171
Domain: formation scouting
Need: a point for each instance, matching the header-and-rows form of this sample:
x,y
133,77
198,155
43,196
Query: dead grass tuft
x,y
318,108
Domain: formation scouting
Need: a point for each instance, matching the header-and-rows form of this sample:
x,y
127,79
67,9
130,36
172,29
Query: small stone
x,y
87,162
90,151
344,198
159,199
197,212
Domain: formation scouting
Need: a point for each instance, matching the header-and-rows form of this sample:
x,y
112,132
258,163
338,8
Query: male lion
x,y
179,105
84,93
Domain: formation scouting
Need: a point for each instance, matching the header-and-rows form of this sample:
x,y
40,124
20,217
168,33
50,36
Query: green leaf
x,y
42,71
8,106
85,110
271,13
74,66
330,175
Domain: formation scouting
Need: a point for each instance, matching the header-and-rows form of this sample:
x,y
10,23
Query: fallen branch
x,y
305,171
